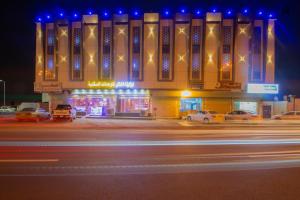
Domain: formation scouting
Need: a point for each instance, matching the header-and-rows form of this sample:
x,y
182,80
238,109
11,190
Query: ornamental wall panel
x,y
121,46
241,55
212,50
39,53
150,49
270,55
63,53
90,47
106,50
181,53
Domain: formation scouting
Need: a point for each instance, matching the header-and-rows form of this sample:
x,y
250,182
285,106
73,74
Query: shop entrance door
x,y
267,109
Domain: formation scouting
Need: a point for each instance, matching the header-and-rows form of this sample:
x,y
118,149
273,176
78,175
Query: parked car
x,y
64,111
29,114
204,116
28,105
240,115
7,109
292,115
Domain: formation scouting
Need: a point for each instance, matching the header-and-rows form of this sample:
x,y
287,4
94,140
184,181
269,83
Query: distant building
x,y
156,64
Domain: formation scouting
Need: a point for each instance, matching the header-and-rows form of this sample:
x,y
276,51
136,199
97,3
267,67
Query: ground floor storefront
x,y
155,103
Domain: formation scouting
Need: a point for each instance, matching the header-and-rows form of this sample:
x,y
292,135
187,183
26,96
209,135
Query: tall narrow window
x,y
256,72
196,53
50,72
166,54
226,63
106,61
136,59
76,54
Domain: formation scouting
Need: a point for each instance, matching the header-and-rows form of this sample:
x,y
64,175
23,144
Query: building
x,y
156,64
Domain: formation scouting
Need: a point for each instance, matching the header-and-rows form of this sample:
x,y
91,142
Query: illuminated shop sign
x,y
262,88
110,84
125,92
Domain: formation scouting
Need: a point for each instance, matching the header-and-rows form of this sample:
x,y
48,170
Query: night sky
x,y
18,43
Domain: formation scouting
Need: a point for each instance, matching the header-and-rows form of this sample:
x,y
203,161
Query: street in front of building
x,y
134,159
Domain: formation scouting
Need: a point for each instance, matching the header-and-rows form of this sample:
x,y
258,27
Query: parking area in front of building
x,y
9,120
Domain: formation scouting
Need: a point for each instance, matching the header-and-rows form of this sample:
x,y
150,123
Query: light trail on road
x,y
129,143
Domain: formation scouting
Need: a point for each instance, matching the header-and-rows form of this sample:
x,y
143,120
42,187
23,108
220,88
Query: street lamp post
x,y
3,91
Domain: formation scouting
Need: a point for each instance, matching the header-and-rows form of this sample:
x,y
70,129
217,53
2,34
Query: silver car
x,y
202,116
239,115
292,115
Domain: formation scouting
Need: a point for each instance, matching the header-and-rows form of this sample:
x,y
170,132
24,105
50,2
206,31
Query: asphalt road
x,y
232,162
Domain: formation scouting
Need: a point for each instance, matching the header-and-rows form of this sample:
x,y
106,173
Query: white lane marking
x,y
27,160
157,168
132,143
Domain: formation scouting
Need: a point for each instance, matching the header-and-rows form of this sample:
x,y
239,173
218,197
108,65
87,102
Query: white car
x,y
7,109
292,115
202,116
239,115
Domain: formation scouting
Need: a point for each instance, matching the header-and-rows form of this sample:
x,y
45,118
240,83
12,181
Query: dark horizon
x,y
18,41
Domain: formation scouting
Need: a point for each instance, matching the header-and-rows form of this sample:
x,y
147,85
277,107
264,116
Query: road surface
x,y
229,162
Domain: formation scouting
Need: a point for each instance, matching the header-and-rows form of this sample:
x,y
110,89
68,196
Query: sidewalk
x,y
90,123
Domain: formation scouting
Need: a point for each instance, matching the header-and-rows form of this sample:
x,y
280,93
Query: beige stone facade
x,y
210,58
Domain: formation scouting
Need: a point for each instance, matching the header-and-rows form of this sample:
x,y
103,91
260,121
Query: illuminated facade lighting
x,y
91,60
64,33
121,31
242,58
210,58
151,31
39,60
181,58
150,58
63,58
186,93
269,59
242,30
181,30
120,58
211,30
92,31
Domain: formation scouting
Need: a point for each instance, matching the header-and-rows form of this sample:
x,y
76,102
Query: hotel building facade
x,y
154,64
